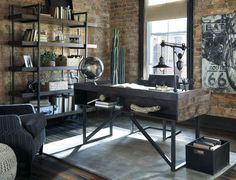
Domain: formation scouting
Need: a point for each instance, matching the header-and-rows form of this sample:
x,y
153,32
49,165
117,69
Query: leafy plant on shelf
x,y
48,58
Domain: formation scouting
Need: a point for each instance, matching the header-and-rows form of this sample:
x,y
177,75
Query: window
x,y
168,23
174,31
157,2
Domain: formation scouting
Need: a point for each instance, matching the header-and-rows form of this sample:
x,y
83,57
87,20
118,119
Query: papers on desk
x,y
163,88
141,87
132,86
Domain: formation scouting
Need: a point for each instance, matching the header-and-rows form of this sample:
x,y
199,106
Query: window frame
x,y
190,5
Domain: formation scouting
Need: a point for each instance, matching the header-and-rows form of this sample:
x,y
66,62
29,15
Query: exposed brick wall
x,y
99,12
221,104
124,16
5,50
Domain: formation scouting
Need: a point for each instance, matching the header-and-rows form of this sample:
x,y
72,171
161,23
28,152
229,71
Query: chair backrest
x,y
167,80
18,109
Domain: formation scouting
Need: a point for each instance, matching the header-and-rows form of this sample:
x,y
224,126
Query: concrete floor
x,y
124,156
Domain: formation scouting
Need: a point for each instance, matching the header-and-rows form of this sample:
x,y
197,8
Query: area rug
x,y
230,174
125,156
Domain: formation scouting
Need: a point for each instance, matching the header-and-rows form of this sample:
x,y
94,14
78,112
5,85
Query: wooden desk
x,y
175,107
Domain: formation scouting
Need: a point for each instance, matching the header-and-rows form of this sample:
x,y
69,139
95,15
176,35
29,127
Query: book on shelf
x,y
27,35
62,13
32,35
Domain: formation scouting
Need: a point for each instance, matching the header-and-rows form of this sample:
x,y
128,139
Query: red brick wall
x,y
221,104
124,16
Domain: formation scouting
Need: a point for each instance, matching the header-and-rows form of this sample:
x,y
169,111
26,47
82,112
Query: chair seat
x,y
8,163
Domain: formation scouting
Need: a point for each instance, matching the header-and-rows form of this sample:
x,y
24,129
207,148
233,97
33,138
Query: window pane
x,y
156,2
172,31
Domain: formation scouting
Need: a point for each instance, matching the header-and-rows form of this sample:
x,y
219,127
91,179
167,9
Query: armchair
x,y
23,130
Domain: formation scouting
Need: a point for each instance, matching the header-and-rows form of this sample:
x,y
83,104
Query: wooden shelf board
x,y
42,93
34,69
68,113
51,44
29,18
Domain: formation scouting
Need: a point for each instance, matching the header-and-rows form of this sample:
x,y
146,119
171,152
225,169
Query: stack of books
x,y
43,37
207,143
43,102
105,104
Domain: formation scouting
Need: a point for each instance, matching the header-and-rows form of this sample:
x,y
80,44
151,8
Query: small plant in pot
x,y
48,58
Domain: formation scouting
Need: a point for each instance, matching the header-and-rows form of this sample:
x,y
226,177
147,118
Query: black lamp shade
x,y
161,64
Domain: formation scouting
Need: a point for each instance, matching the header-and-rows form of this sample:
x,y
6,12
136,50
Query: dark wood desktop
x,y
175,107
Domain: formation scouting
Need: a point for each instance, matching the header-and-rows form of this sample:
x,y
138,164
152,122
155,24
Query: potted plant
x,y
48,58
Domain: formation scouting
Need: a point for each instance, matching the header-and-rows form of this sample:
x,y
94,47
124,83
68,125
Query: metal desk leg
x,y
111,121
173,149
197,128
173,145
164,130
131,127
84,123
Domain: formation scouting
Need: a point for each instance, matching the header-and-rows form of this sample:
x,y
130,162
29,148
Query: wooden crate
x,y
69,62
57,85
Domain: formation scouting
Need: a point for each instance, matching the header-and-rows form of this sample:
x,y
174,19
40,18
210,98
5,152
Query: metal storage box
x,y
206,160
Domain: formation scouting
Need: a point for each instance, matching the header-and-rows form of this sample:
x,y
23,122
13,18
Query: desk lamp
x,y
179,63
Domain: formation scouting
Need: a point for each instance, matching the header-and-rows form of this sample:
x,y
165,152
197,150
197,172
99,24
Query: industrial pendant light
x,y
161,63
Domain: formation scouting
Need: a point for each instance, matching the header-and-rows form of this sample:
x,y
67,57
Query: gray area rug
x,y
127,157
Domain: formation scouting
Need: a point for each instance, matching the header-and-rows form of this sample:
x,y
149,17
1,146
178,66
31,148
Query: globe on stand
x,y
91,68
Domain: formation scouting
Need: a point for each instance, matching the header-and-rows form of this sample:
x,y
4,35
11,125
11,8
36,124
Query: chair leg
x,y
41,150
28,168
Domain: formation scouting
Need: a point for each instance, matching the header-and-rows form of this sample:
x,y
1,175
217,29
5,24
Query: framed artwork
x,y
27,60
219,53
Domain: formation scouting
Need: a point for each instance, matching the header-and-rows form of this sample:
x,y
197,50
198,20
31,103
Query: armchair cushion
x,y
33,123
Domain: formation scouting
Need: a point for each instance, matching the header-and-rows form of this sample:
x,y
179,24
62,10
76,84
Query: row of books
x,y
32,35
63,13
105,104
207,143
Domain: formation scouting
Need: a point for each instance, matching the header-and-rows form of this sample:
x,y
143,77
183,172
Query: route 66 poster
x,y
219,53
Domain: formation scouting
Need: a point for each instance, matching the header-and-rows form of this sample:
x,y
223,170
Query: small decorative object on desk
x,y
184,85
144,109
163,88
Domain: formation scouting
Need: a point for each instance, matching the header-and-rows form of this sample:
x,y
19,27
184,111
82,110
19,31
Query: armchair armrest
x,y
9,123
13,134
33,123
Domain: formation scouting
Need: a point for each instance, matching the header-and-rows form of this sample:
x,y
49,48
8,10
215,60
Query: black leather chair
x,y
24,131
161,80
